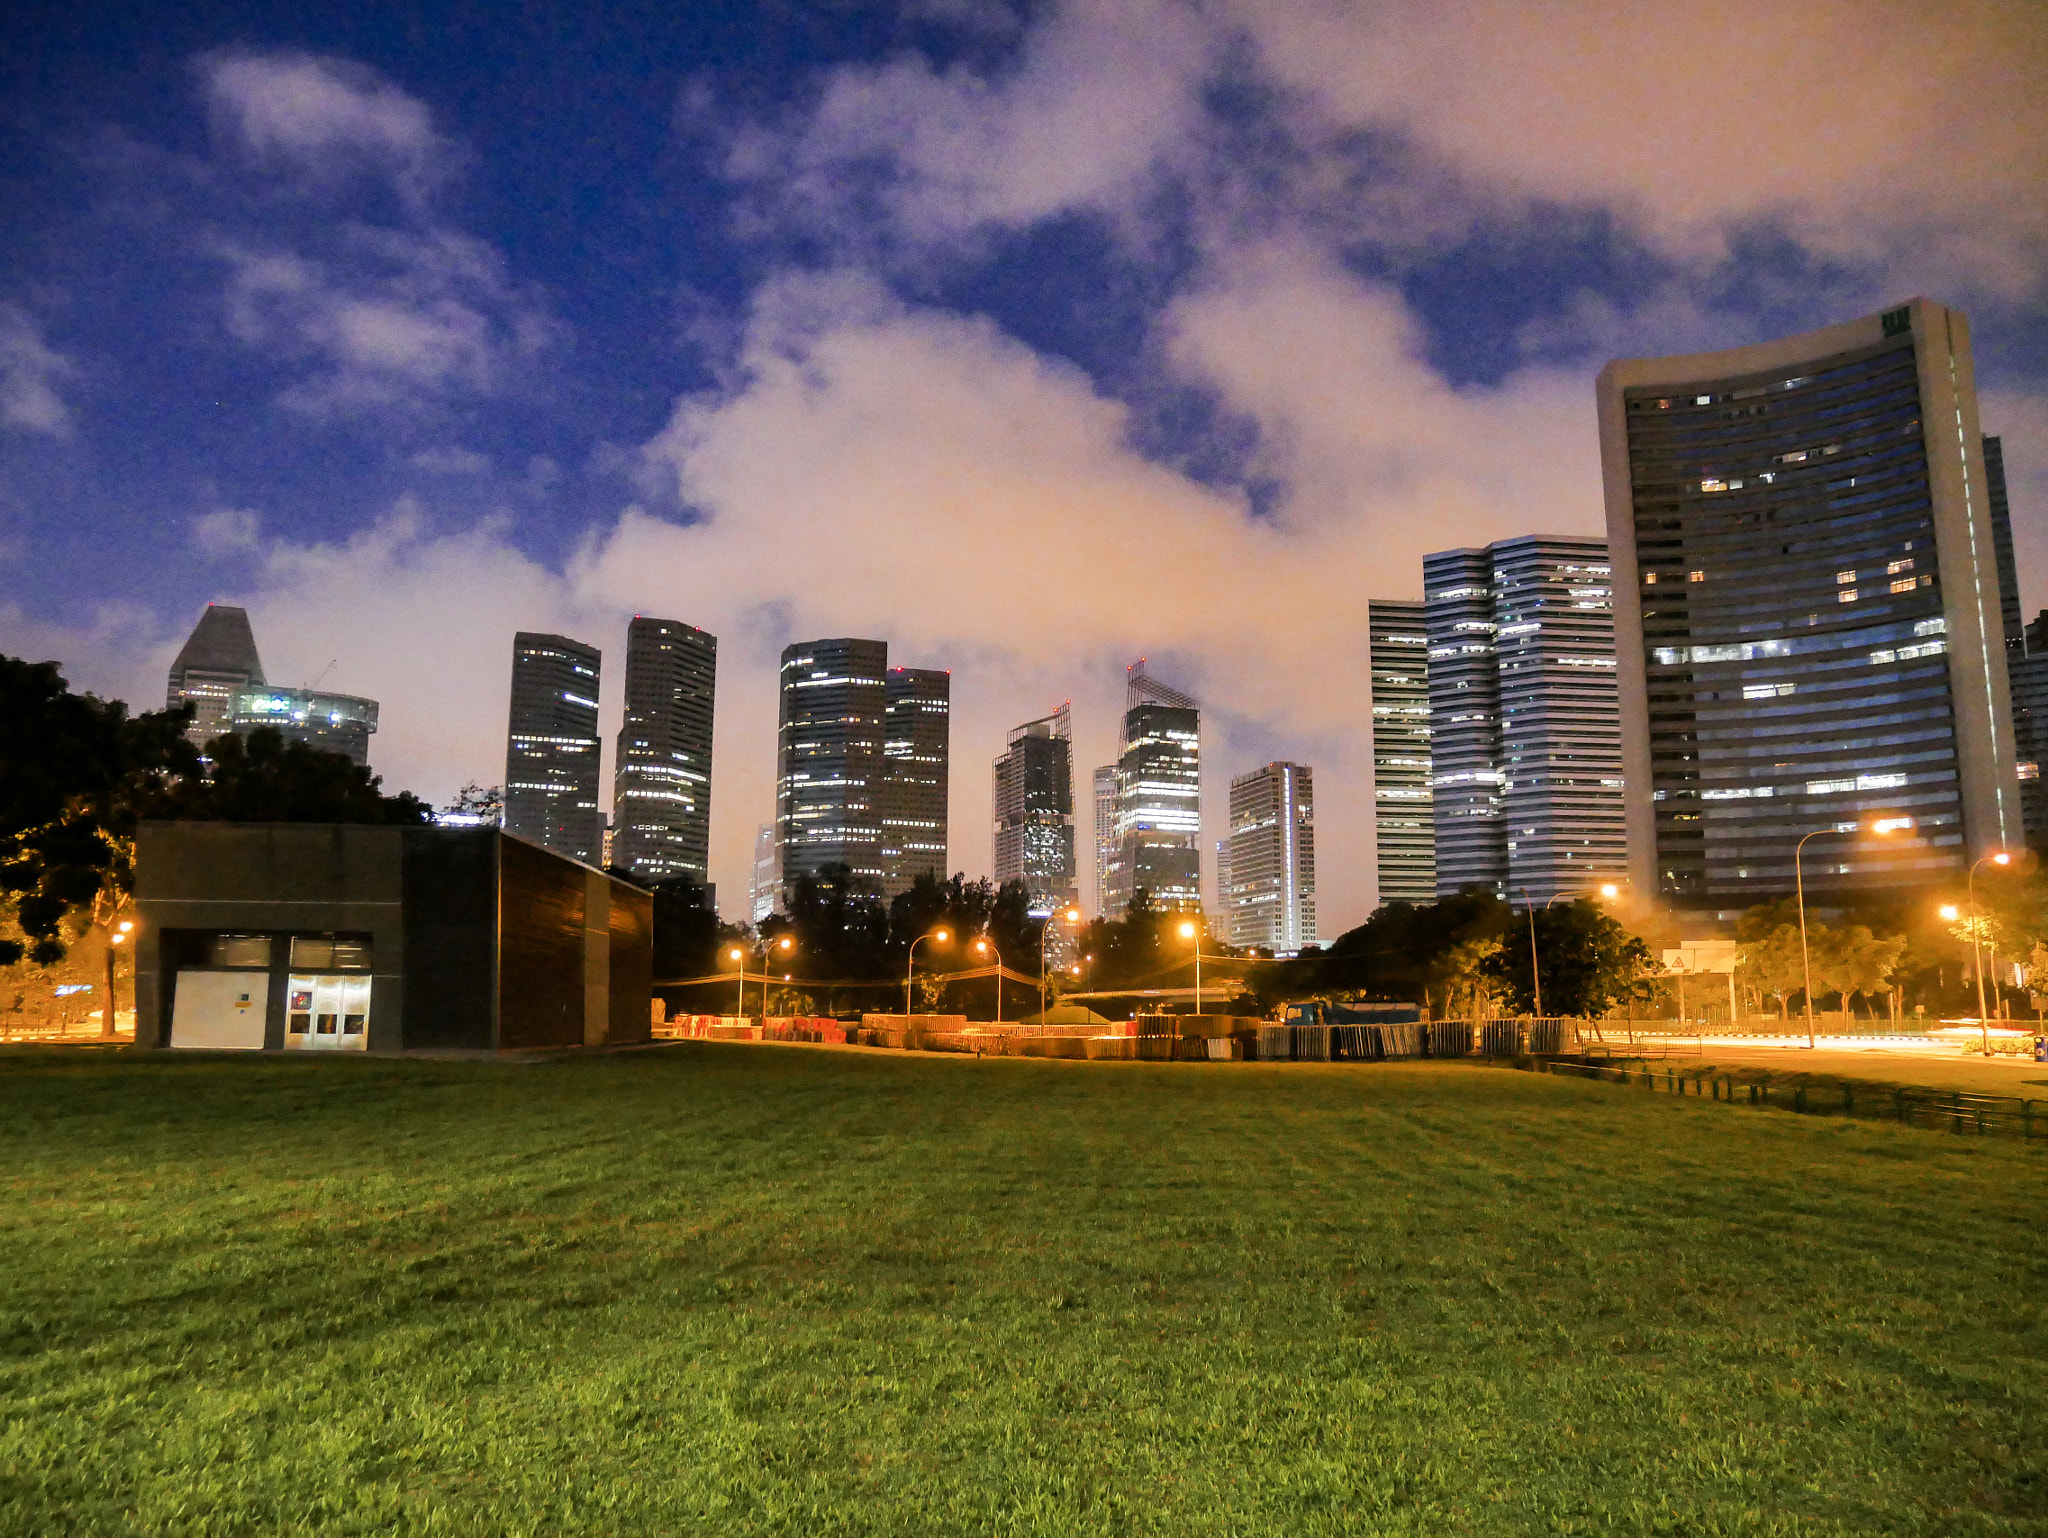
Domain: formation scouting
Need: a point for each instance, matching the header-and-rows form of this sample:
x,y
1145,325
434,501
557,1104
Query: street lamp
x,y
1881,826
1535,971
1193,931
118,937
739,956
785,943
1072,916
938,937
2000,857
984,944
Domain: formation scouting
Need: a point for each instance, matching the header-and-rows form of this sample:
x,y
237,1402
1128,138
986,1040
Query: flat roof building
x,y
661,773
1811,628
834,700
337,937
916,776
1158,826
1272,902
1403,816
552,749
1034,812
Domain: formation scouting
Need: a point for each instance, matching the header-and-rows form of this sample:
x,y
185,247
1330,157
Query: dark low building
x,y
325,936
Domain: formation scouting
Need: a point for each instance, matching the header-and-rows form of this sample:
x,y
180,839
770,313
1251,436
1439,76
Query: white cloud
x,y
29,373
450,461
228,531
325,118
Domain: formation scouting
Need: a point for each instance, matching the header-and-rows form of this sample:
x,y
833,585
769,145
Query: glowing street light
x,y
1997,857
1072,916
984,945
1880,826
1610,891
1193,931
739,957
937,937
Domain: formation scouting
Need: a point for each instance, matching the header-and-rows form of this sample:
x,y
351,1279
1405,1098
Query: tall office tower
x,y
1809,613
1034,813
1158,819
835,698
1525,730
1105,838
332,723
1464,723
763,892
551,752
1223,884
1273,858
217,662
661,774
1403,817
2011,625
916,749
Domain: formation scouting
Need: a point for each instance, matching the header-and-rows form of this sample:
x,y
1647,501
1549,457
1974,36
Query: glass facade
x,y
331,723
661,786
835,694
551,752
1799,569
1271,898
1158,823
916,753
1034,812
1404,830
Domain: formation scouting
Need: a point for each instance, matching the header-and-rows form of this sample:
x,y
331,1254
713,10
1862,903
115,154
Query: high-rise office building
x,y
1404,822
1105,838
217,662
1273,859
661,774
916,749
764,890
1158,819
1034,813
834,701
1525,732
1809,610
332,723
2011,624
2027,678
552,751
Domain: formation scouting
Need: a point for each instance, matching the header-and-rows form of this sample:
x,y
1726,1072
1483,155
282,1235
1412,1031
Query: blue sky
x,y
1029,338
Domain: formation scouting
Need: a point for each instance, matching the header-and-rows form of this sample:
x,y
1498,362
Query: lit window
x,y
1904,585
1895,567
1767,691
1695,576
2030,771
1881,658
1649,579
1845,576
1713,485
1703,400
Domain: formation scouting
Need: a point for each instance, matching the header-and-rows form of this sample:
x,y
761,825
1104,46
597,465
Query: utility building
x,y
1272,901
551,750
661,788
1404,831
1813,627
1034,813
331,937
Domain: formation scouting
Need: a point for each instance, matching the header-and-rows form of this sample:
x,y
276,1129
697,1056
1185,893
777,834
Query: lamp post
x,y
1881,826
985,944
118,937
938,937
1193,931
1072,916
1535,971
785,943
740,956
1977,925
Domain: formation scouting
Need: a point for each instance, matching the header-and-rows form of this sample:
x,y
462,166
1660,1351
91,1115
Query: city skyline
x,y
293,317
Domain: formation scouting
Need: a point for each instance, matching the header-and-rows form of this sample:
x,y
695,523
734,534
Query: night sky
x,y
1029,339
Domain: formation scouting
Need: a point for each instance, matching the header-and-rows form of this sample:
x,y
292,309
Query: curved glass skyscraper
x,y
1807,608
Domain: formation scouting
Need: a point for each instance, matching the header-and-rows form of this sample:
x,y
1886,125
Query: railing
x,y
1945,1110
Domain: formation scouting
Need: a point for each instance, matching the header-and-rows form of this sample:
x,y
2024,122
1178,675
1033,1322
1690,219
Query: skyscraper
x,y
1273,859
762,892
332,723
551,752
1403,817
1034,812
916,748
661,775
1525,736
834,700
1158,820
217,662
1811,624
2027,677
1105,837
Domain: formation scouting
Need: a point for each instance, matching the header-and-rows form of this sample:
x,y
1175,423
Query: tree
x,y
1590,962
1857,962
477,804
74,772
263,778
688,934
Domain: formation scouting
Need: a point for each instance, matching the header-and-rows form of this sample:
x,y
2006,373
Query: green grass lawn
x,y
730,1289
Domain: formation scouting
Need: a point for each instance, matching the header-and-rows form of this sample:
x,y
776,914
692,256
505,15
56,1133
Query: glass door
x,y
327,1012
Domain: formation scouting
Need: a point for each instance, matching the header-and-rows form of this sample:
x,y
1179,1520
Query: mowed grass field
x,y
730,1289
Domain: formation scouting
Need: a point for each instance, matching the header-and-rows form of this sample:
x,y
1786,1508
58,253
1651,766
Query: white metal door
x,y
327,1012
219,1010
